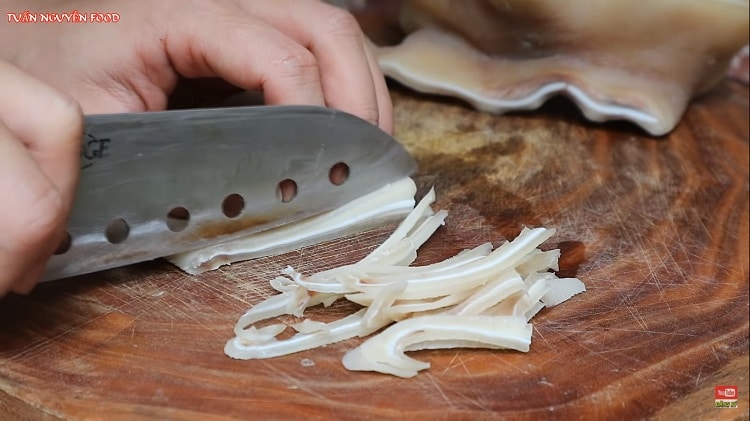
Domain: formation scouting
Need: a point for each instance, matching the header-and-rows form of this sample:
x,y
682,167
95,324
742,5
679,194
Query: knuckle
x,y
43,219
340,22
23,288
233,32
370,113
65,116
297,61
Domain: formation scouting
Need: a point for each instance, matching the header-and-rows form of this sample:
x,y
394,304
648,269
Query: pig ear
x,y
588,57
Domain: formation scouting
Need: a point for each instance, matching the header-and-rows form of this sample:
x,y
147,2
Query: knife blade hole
x,y
286,190
64,245
177,219
233,205
117,231
338,174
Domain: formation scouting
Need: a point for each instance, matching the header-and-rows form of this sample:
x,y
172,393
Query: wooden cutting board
x,y
657,229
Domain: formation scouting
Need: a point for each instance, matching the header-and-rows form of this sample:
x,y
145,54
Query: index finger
x,y
350,81
48,122
244,51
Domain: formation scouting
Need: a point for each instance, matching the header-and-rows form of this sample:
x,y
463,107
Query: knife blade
x,y
159,183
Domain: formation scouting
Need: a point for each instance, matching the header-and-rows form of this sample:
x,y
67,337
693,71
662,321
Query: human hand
x,y
295,51
40,135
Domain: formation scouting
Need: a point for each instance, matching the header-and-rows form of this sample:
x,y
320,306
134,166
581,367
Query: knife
x,y
159,183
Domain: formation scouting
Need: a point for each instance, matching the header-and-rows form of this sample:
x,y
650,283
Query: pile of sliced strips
x,y
480,298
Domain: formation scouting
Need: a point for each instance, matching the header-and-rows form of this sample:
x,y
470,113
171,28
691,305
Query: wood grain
x,y
656,228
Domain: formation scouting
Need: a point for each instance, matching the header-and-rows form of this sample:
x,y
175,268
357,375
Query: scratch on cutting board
x,y
543,381
633,310
475,400
592,352
620,349
457,360
439,389
292,382
538,334
500,359
185,313
248,290
713,350
682,240
610,329
111,334
214,289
